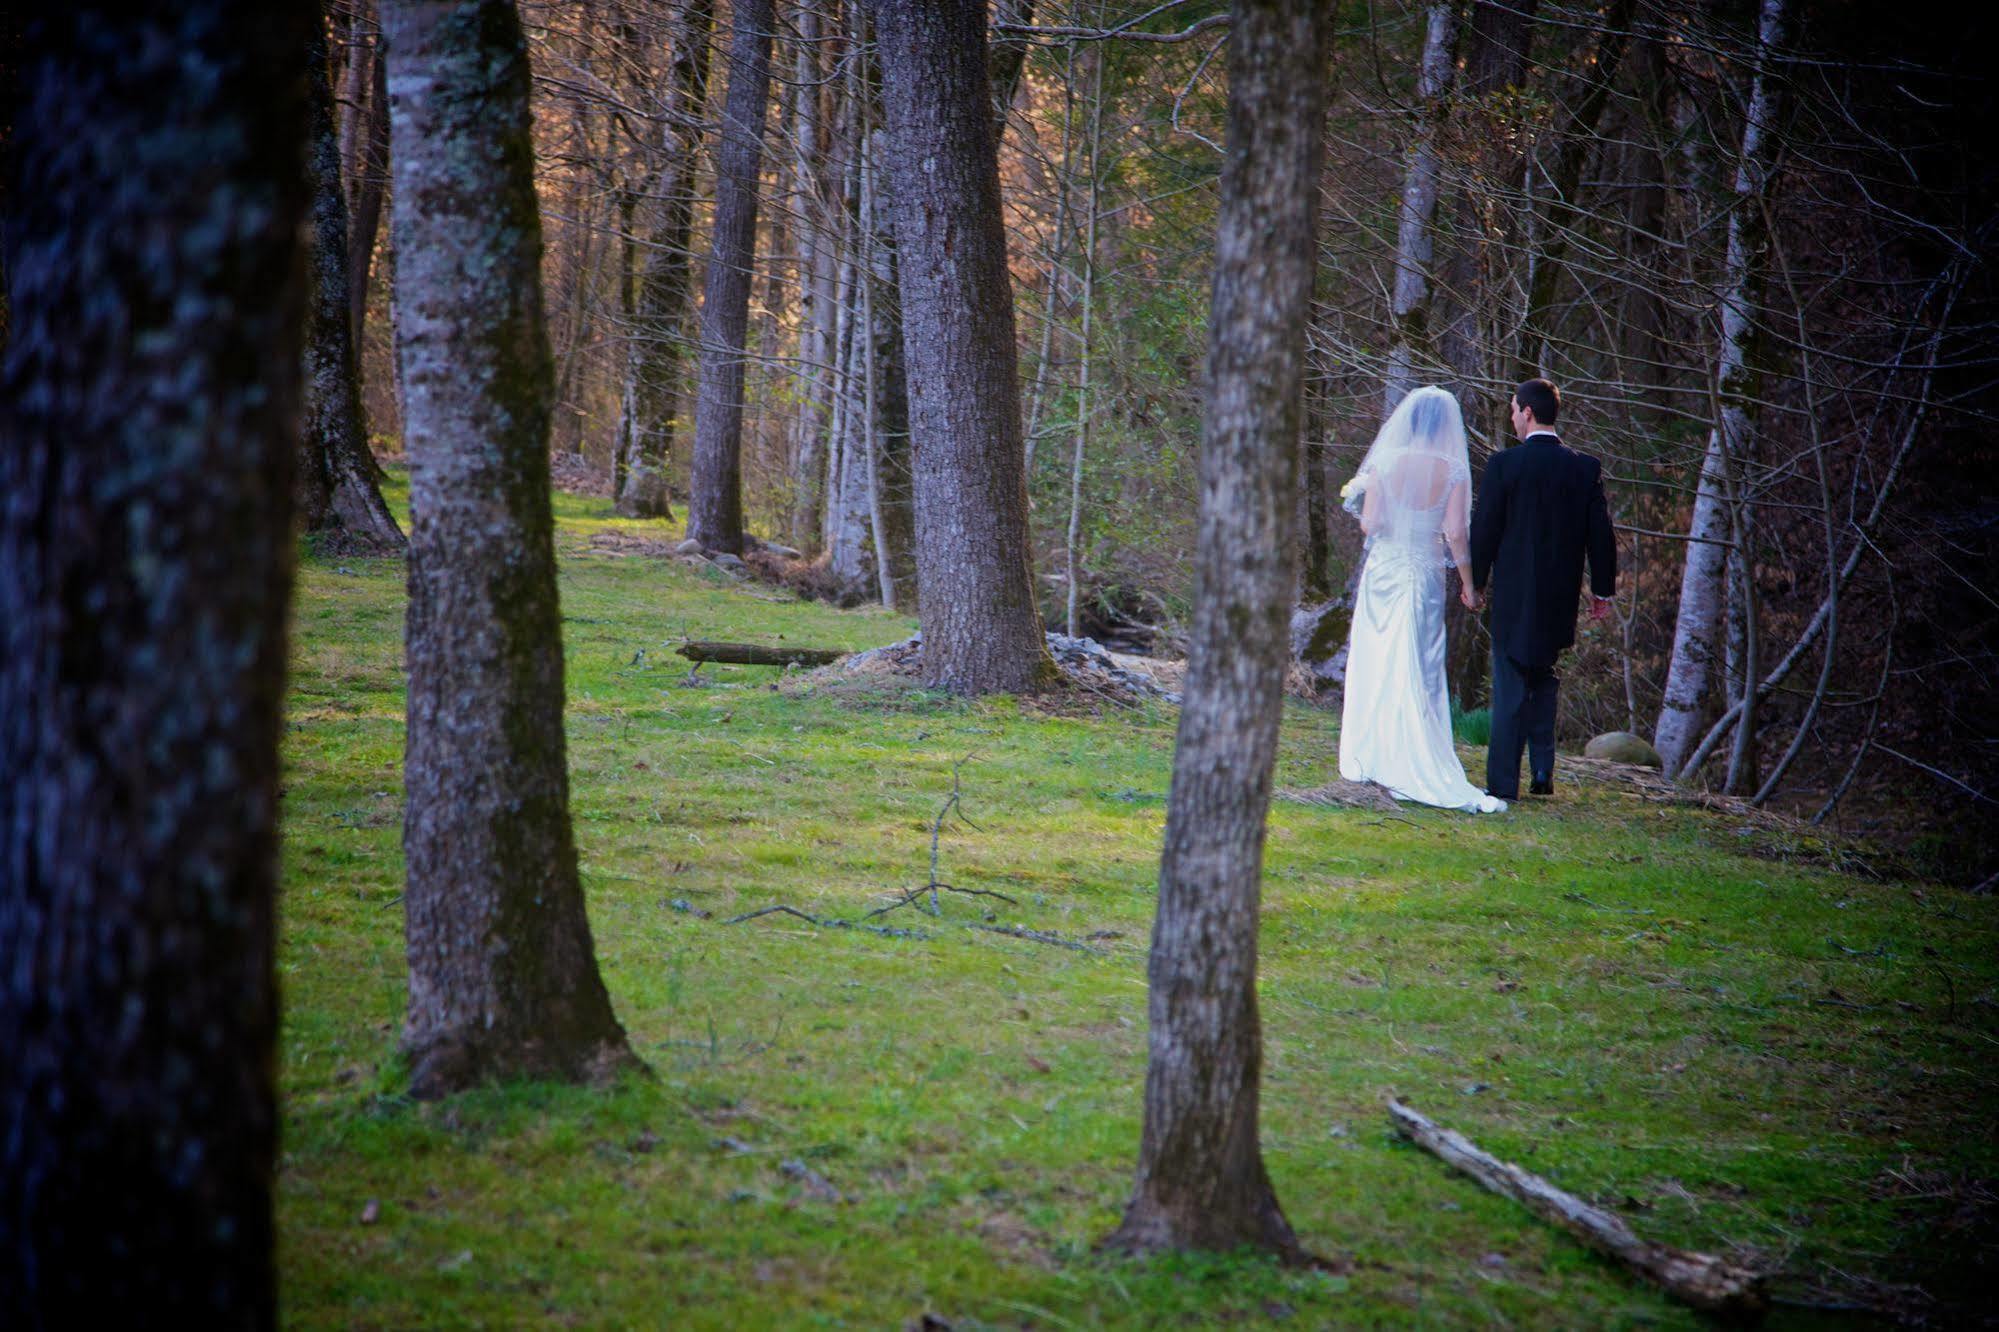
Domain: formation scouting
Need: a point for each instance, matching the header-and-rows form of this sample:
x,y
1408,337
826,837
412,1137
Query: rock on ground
x,y
1623,747
1319,640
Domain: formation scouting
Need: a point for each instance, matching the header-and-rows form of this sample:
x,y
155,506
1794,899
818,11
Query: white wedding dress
x,y
1413,495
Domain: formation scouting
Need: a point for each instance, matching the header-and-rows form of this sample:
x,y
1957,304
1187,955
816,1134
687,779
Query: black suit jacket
x,y
1540,510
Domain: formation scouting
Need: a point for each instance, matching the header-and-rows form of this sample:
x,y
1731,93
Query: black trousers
x,y
1523,715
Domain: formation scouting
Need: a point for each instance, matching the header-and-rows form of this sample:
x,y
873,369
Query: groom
x,y
1540,509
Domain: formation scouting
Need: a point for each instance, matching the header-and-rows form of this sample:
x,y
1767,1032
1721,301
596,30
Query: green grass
x,y
1472,728
1702,1026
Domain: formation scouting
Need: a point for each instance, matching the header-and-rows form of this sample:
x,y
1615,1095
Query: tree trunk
x,y
369,173
654,367
715,501
1316,579
1201,1182
885,391
150,415
1409,310
981,627
1006,59
823,208
337,488
847,499
1083,402
1495,59
1701,578
806,100
1582,112
1051,303
503,978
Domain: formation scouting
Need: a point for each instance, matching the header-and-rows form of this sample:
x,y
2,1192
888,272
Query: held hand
x,y
1599,609
1469,596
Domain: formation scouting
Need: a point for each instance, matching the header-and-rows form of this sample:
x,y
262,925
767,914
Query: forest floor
x,y
1706,1023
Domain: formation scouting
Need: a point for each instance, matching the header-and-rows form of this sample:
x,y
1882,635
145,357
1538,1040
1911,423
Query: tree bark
x,y
503,977
715,501
982,630
1701,590
150,422
337,488
665,283
1409,308
1201,1181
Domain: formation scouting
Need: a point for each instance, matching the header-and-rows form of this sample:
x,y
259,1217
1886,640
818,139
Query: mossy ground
x,y
1695,1024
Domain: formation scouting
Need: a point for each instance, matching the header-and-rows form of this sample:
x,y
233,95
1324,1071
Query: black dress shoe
x,y
1542,786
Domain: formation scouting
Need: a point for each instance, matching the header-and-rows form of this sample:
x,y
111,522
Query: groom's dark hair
x,y
1541,397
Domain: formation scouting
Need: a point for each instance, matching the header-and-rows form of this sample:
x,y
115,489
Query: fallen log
x,y
755,654
1710,1284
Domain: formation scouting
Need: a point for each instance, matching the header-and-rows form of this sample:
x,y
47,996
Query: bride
x,y
1413,497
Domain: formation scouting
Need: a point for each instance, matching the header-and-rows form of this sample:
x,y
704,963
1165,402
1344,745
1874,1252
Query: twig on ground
x,y
827,922
916,894
1039,936
1628,911
937,827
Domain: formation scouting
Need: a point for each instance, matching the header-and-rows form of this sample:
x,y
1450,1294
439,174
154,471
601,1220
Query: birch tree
x,y
1708,531
1409,309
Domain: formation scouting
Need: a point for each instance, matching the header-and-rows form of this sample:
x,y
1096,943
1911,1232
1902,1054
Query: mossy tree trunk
x,y
503,976
982,629
337,488
1201,1183
715,497
150,421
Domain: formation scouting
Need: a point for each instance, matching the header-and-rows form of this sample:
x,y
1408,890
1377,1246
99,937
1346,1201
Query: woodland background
x,y
1585,160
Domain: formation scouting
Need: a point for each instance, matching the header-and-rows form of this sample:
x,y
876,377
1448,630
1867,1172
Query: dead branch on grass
x,y
1708,1283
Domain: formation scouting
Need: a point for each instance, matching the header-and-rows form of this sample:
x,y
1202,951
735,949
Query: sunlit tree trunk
x,y
1201,1182
502,973
149,418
